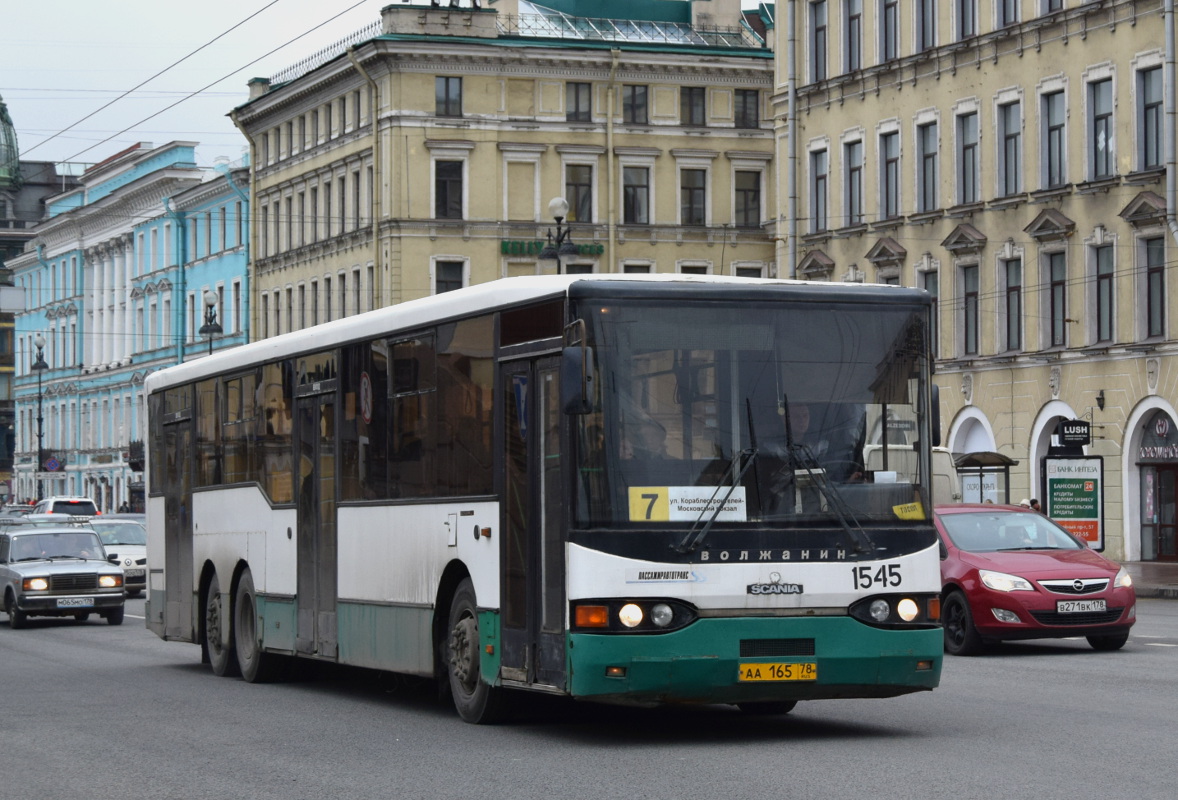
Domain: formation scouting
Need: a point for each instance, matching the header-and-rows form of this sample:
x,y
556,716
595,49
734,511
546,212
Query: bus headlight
x,y
661,615
907,609
630,615
879,610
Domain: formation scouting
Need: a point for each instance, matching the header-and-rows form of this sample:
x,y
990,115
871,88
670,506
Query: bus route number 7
x,y
649,504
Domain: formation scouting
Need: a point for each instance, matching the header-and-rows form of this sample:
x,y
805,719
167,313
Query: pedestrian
x,y
1035,505
1025,502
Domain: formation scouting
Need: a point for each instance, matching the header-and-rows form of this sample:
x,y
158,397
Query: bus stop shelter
x,y
984,476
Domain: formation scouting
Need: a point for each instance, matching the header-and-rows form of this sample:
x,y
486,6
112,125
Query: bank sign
x,y
1075,496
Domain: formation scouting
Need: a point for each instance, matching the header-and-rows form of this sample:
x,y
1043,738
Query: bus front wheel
x,y
221,656
474,699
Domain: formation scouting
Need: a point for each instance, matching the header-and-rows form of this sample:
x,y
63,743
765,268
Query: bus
x,y
594,486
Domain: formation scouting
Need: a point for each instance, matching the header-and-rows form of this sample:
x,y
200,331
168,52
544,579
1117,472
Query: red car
x,y
1009,572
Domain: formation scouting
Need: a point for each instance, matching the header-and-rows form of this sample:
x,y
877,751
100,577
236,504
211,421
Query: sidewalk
x,y
1154,578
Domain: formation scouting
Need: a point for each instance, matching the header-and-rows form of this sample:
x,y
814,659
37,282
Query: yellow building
x,y
1011,157
424,155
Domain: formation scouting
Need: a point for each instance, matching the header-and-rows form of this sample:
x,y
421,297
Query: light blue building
x,y
116,282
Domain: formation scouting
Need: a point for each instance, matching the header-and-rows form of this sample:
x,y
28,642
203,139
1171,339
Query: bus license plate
x,y
1078,606
75,602
779,672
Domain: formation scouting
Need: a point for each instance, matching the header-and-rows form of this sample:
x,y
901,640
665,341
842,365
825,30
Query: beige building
x,y
1011,157
423,155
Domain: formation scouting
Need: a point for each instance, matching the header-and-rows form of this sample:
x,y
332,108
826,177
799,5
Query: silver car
x,y
58,572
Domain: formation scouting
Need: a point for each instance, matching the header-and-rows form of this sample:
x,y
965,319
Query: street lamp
x,y
211,327
562,245
40,366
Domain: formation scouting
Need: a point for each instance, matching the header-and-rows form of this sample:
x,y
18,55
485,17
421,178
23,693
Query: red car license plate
x,y
1079,606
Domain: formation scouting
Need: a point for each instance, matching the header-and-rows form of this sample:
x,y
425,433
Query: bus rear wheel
x,y
221,657
256,665
475,700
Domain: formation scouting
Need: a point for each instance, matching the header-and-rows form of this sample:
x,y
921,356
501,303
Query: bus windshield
x,y
751,413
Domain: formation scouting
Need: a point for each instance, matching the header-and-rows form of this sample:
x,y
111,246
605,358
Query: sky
x,y
66,64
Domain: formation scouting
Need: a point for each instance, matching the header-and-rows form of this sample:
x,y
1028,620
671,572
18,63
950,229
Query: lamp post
x,y
40,366
562,245
211,327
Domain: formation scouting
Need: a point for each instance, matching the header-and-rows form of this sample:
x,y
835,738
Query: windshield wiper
x,y
800,457
693,540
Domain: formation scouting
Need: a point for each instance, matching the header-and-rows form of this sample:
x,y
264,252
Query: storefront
x,y
1157,460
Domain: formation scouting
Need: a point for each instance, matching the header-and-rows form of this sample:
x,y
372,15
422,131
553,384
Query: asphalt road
x,y
90,710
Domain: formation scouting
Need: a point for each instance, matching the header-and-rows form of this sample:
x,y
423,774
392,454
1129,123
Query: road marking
x,y
1159,644
134,616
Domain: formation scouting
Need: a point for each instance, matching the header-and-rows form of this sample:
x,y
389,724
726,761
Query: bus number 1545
x,y
885,575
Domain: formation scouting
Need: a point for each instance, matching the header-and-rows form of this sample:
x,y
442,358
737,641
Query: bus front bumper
x,y
703,664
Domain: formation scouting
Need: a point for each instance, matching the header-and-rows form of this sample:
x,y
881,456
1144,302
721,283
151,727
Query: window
x,y
967,178
578,190
926,25
889,30
1155,286
853,155
1013,275
748,108
636,195
1052,5
447,96
926,180
447,276
969,309
967,18
578,101
818,200
1100,103
1057,275
448,189
1055,172
748,199
817,40
931,283
691,105
1151,118
634,109
889,179
693,196
1104,292
1010,154
853,11
1007,12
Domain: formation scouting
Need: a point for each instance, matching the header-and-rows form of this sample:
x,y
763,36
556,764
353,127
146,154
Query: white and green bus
x,y
601,487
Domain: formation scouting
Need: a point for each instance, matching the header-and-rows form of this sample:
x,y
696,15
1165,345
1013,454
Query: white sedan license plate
x,y
1079,606
75,602
134,573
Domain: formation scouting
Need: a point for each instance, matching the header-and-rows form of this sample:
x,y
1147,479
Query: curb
x,y
1166,592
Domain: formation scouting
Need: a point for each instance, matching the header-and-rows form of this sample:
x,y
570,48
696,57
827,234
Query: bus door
x,y
180,621
316,498
533,599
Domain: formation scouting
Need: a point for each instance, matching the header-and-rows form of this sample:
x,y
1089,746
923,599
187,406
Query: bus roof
x,y
486,297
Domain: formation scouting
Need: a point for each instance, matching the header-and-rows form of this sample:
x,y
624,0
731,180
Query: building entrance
x,y
1159,503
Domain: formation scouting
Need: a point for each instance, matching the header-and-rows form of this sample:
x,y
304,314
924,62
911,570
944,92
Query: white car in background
x,y
125,541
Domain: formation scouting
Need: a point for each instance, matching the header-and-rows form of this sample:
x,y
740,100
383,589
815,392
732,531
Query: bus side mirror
x,y
576,379
936,415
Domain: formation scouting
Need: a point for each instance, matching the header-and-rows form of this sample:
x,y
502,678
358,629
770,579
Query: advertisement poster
x,y
1075,496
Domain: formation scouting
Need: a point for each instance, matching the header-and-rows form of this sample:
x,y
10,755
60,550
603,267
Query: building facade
x,y
24,188
115,282
423,156
1012,158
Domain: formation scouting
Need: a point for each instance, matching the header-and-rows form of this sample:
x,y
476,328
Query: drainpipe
x,y
245,207
791,141
1170,130
611,203
250,237
179,309
377,173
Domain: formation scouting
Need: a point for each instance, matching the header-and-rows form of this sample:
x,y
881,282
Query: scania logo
x,y
775,586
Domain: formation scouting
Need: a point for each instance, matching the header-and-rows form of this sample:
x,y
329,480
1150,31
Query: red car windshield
x,y
990,531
